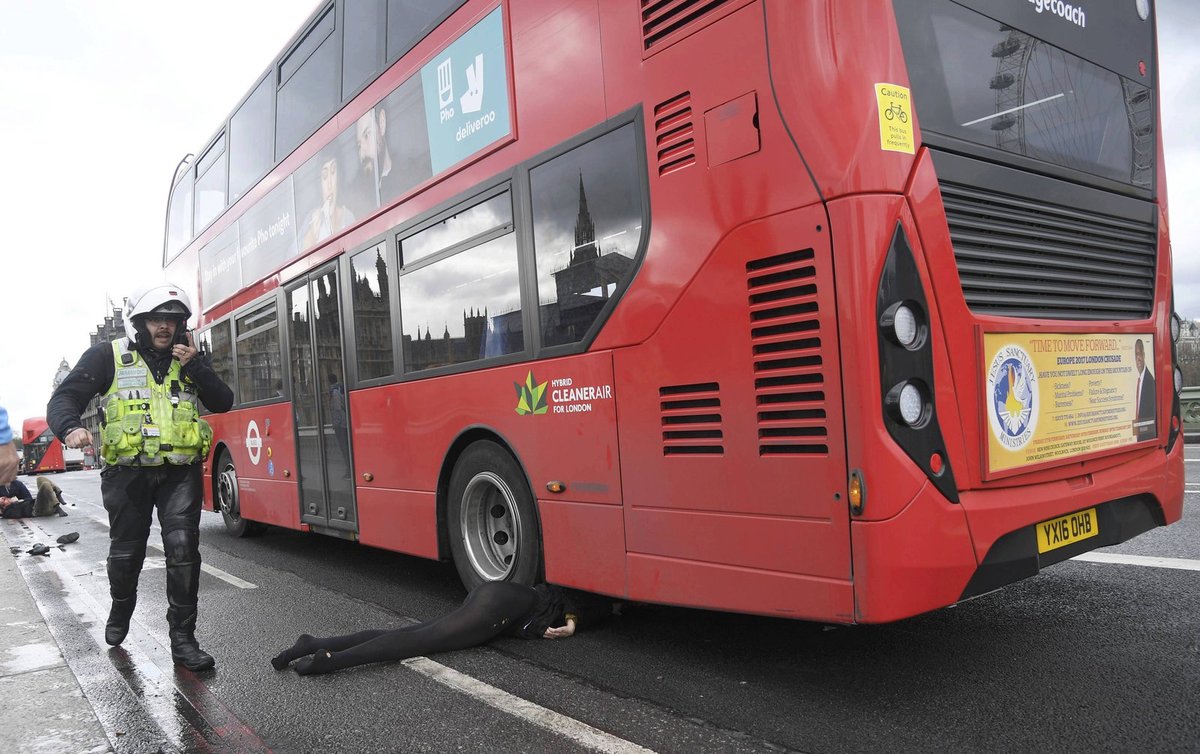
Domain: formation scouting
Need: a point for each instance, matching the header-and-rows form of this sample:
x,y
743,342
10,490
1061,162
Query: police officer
x,y
153,442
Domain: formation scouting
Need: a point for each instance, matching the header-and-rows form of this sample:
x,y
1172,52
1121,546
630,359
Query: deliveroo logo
x,y
531,397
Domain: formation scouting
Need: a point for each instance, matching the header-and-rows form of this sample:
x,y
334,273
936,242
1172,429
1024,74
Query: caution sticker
x,y
895,118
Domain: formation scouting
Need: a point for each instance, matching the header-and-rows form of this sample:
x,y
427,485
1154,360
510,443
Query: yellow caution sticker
x,y
895,118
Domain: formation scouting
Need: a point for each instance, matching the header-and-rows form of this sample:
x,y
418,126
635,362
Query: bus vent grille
x,y
674,137
662,18
691,419
1023,258
785,336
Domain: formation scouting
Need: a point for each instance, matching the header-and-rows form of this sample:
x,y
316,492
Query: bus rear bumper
x,y
935,553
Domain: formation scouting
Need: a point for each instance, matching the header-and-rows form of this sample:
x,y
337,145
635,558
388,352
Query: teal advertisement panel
x,y
466,94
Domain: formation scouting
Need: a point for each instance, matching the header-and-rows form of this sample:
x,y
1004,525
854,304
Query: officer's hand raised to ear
x,y
184,352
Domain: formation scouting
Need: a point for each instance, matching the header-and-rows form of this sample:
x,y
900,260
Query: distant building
x,y
110,329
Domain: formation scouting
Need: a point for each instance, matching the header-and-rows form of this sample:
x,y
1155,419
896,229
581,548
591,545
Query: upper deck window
x,y
408,21
363,25
309,85
179,216
211,176
251,152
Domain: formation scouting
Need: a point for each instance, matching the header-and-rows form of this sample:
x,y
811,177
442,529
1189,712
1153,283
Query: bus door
x,y
319,403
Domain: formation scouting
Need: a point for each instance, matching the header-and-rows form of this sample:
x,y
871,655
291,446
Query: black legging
x,y
488,611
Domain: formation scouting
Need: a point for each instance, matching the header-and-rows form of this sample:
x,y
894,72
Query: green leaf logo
x,y
531,397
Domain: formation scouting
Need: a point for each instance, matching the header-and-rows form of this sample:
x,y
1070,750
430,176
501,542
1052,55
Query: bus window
x,y
250,132
308,86
210,183
362,47
218,344
260,375
179,216
587,226
476,221
470,292
408,22
372,313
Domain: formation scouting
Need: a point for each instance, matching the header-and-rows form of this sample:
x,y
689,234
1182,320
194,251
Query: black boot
x,y
183,586
124,564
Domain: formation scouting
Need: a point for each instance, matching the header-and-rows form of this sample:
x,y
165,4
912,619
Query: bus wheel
x,y
226,489
493,524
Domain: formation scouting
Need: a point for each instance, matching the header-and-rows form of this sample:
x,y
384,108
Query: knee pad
x,y
182,547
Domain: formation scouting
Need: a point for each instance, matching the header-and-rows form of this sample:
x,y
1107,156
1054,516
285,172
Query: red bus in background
x,y
824,310
43,451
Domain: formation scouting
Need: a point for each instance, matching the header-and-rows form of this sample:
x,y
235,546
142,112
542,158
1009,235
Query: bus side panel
x,y
261,444
403,433
916,561
863,227
701,93
826,60
732,446
398,520
583,545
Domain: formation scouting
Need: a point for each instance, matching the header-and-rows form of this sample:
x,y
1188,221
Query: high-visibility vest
x,y
147,423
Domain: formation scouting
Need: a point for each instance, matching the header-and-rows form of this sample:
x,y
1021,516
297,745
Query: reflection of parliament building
x,y
582,288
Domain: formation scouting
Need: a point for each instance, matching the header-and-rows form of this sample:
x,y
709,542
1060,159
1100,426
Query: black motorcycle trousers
x,y
131,495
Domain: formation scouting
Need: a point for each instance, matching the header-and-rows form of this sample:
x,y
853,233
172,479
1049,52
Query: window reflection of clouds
x,y
436,297
493,213
608,166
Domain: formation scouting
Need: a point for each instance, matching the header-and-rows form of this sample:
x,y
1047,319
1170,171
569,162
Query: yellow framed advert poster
x,y
1055,396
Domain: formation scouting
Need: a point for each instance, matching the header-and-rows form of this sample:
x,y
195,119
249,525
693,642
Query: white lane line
x,y
228,578
568,727
1182,564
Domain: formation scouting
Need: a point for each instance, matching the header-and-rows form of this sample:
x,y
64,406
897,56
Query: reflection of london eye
x,y
1050,103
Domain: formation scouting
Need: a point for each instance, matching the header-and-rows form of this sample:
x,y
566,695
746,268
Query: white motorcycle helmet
x,y
165,298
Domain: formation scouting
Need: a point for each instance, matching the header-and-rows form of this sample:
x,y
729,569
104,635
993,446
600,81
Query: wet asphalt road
x,y
1086,656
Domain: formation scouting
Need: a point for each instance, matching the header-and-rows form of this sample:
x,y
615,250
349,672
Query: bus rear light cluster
x,y
907,402
1173,431
906,366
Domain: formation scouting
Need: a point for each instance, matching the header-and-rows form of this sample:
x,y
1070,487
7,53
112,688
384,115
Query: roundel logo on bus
x,y
1013,397
253,442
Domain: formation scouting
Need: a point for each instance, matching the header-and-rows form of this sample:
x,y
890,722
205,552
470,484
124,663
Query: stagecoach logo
x,y
1012,389
531,397
1063,10
253,442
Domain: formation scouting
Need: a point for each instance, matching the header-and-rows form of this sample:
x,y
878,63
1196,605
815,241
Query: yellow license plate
x,y
1066,530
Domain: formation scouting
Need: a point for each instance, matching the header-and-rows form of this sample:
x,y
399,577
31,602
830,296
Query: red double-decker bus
x,y
43,451
836,311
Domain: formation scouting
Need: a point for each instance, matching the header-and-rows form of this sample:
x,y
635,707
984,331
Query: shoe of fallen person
x,y
39,549
67,539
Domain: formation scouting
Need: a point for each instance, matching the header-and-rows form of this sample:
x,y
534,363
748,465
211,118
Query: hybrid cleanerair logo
x,y
1064,10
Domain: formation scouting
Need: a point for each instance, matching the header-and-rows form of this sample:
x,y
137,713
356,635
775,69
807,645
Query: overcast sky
x,y
100,100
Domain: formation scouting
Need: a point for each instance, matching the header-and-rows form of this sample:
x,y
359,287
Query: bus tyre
x,y
225,490
492,519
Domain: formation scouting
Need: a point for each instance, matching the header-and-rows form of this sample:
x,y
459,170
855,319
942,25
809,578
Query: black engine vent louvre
x,y
691,419
662,18
785,336
1021,257
674,135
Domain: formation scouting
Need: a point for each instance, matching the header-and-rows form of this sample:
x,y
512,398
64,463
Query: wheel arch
x,y
464,440
214,468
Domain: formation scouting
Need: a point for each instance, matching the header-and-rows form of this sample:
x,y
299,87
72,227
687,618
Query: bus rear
x,y
43,451
1006,314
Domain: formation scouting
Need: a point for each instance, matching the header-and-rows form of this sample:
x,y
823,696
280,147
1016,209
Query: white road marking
x,y
568,727
1182,564
228,578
